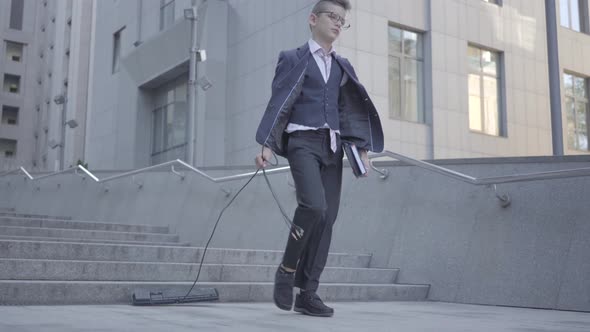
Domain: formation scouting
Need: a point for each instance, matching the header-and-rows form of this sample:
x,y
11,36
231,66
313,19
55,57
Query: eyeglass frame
x,y
336,19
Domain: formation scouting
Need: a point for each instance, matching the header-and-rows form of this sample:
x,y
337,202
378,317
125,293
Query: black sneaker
x,y
283,290
309,303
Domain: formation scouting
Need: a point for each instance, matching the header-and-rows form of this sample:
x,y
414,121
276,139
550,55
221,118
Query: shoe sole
x,y
285,307
307,312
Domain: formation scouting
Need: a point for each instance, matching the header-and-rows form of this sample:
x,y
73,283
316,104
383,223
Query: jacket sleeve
x,y
266,123
280,69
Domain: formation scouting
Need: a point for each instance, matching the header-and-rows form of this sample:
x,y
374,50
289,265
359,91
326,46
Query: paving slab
x,y
245,317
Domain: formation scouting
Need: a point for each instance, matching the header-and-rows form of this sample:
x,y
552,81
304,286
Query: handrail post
x,y
177,173
384,172
138,183
505,200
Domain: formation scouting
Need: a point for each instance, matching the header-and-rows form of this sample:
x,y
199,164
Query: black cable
x,y
298,231
213,232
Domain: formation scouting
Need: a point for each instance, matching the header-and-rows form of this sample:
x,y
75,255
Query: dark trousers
x,y
317,172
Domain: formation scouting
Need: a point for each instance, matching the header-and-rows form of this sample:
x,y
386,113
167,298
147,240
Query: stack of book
x,y
354,157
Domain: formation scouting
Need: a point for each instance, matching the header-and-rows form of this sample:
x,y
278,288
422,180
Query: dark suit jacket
x,y
359,121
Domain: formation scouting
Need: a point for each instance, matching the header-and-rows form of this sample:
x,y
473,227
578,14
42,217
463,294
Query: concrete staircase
x,y
49,260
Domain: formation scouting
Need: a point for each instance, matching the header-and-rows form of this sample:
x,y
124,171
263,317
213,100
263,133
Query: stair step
x,y
82,225
86,234
146,253
35,269
114,292
47,260
28,215
82,241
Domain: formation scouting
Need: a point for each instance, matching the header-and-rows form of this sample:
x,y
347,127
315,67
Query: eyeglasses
x,y
337,19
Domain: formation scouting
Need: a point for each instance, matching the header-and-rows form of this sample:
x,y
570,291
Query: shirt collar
x,y
315,47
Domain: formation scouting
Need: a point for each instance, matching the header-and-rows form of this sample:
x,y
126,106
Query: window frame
x,y
13,152
577,99
584,19
163,6
117,46
19,83
14,17
163,139
175,94
10,109
500,88
7,44
402,58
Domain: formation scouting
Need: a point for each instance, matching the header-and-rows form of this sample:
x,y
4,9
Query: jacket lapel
x,y
295,71
347,69
302,50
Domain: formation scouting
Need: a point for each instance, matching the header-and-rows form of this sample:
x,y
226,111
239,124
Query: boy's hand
x,y
262,158
365,159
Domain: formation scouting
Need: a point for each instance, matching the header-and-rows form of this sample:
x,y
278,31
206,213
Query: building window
x,y
9,115
406,83
117,50
576,109
14,51
11,83
485,114
574,14
169,130
166,13
16,14
7,148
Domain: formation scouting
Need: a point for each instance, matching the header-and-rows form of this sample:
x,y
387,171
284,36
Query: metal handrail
x,y
146,169
547,175
68,170
20,169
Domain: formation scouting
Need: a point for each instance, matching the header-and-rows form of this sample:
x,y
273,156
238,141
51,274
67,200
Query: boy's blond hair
x,y
321,5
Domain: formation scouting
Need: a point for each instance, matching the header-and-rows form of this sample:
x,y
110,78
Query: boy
x,y
317,101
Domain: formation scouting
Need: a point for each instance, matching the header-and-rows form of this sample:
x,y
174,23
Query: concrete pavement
x,y
244,317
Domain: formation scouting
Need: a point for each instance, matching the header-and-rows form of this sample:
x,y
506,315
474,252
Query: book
x,y
354,158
